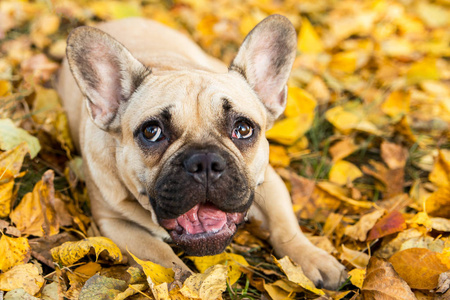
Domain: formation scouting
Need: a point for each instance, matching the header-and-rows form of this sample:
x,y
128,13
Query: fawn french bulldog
x,y
174,141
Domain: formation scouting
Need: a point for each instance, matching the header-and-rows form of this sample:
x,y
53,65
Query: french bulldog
x,y
174,142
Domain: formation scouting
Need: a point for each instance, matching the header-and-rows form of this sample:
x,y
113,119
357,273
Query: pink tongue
x,y
202,218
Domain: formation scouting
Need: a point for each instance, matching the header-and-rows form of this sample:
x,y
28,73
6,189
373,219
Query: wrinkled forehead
x,y
195,98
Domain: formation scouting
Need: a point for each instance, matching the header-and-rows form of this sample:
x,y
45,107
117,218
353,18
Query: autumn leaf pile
x,y
363,147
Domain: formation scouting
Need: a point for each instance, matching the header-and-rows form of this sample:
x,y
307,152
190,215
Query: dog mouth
x,y
204,229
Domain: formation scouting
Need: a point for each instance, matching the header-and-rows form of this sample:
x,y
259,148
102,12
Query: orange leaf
x,y
419,267
382,282
389,224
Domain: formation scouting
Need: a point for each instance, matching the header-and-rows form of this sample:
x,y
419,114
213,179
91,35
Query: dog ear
x,y
105,71
265,60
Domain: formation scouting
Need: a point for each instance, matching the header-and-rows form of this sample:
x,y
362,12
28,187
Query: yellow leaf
x,y
11,136
5,88
70,252
35,214
10,165
438,203
24,276
206,286
345,62
13,251
421,218
346,120
50,115
357,277
342,149
444,257
115,9
276,292
308,40
158,274
233,262
340,193
343,172
295,274
397,103
425,69
440,175
356,258
278,156
299,102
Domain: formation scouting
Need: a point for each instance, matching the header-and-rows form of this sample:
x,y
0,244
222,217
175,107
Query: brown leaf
x,y
383,283
389,224
393,155
393,180
419,267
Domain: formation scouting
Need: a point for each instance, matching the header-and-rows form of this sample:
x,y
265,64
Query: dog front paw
x,y
320,267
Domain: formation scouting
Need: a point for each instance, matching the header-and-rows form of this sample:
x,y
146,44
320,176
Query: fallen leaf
x,y
343,172
158,274
70,252
102,287
383,283
419,267
12,136
10,165
35,214
342,149
357,277
389,224
232,261
361,228
440,175
393,155
438,203
26,276
13,251
206,286
356,258
295,274
308,39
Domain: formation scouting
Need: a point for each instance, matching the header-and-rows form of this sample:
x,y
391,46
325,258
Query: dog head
x,y
193,142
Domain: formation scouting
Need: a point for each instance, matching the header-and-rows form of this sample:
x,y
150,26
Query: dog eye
x,y
242,130
152,133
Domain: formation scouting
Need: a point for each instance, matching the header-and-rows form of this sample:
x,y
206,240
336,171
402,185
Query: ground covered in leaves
x,y
363,147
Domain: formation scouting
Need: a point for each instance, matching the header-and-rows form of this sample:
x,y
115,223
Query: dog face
x,y
191,141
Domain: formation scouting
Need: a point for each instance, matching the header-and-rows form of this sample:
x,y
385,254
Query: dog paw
x,y
321,268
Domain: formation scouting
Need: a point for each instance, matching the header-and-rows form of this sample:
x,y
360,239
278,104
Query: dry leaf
x,y
361,228
158,274
26,276
389,224
206,286
232,261
35,214
295,274
343,172
419,267
13,251
356,258
102,287
383,283
70,252
357,277
12,136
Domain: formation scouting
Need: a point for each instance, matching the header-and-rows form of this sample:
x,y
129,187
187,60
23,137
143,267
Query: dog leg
x,y
273,208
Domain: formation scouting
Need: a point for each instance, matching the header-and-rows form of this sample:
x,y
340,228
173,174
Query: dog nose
x,y
205,167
